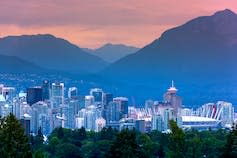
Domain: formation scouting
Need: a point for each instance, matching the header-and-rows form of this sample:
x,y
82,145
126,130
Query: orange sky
x,y
92,23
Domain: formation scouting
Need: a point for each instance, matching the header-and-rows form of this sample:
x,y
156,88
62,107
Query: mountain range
x,y
199,55
112,52
50,52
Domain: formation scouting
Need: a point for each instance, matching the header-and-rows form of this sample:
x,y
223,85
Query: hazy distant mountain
x,y
199,55
9,64
112,52
52,53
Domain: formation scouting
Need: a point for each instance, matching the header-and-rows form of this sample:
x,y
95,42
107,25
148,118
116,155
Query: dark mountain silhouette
x,y
199,55
52,53
112,52
9,64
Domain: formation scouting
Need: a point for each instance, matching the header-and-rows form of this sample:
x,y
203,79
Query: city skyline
x,y
132,23
49,106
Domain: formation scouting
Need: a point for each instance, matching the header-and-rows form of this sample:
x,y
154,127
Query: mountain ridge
x,y
194,54
112,52
11,64
50,52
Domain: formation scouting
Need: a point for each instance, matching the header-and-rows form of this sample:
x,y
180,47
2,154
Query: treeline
x,y
65,143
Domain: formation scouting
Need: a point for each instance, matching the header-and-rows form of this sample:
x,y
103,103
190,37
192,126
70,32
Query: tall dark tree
x,y
125,145
14,143
176,146
230,149
38,139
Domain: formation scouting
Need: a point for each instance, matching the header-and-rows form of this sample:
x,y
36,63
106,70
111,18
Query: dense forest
x,y
117,144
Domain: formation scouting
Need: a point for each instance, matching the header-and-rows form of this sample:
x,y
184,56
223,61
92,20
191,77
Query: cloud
x,y
91,23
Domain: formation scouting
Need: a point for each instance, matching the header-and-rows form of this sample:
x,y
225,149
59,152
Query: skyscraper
x,y
123,104
99,124
98,96
108,97
89,100
8,92
46,90
57,94
140,125
227,113
112,113
34,94
157,122
171,98
72,92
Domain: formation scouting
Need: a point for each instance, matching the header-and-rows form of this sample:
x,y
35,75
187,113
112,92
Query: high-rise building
x,y
25,122
6,109
89,100
79,122
126,123
41,117
98,96
149,104
227,113
72,92
123,105
46,90
99,124
57,94
16,107
108,97
171,98
8,92
90,117
157,122
140,126
168,115
1,87
112,113
34,94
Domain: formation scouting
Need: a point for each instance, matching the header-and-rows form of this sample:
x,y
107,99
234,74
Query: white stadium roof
x,y
197,119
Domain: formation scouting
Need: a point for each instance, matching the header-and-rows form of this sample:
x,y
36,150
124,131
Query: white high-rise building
x,y
227,113
79,122
72,92
100,123
6,109
90,117
8,92
41,117
89,100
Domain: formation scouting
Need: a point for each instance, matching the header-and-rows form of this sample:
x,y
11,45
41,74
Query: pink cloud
x,y
91,23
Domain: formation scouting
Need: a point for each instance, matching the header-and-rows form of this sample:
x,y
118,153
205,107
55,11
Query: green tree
x,y
80,134
37,141
230,149
66,150
51,147
145,145
40,154
176,148
125,145
14,143
194,146
99,149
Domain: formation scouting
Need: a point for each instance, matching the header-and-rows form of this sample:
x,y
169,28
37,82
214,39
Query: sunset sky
x,y
92,23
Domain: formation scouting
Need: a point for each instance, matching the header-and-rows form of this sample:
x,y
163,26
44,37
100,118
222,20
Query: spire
x,y
172,89
172,83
